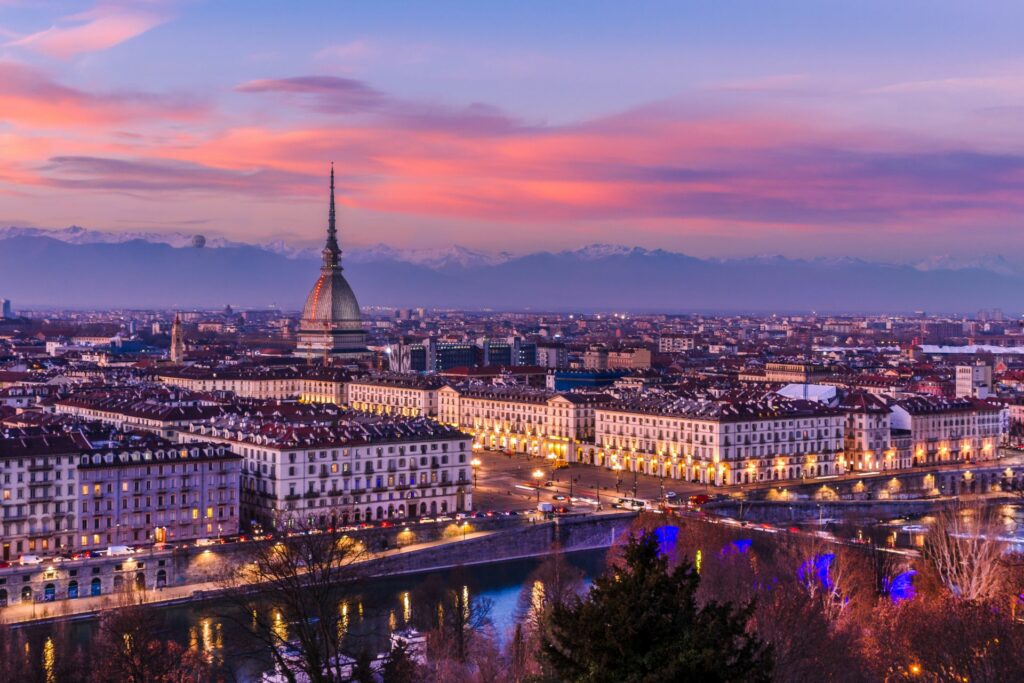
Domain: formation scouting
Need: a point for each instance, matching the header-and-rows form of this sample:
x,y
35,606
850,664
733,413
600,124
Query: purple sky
x,y
877,129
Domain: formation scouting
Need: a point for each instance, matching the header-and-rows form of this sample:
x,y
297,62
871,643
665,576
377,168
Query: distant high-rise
x,y
973,381
177,341
331,324
5,309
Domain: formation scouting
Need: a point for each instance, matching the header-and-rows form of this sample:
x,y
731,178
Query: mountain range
x,y
78,268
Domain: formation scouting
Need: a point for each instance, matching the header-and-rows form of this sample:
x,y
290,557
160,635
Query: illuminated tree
x,y
964,549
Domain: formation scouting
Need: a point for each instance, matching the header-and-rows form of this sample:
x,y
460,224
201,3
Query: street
x,y
507,482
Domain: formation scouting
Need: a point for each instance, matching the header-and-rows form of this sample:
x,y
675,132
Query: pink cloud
x,y
30,98
95,30
656,167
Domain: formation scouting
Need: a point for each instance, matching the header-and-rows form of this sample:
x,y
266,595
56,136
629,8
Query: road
x,y
506,482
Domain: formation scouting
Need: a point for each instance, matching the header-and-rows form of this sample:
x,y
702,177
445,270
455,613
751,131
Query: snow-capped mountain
x,y
995,263
37,269
78,235
593,252
438,258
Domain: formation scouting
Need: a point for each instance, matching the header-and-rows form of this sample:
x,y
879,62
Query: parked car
x,y
30,559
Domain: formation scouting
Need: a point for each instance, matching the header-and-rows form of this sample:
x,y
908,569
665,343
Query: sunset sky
x,y
886,130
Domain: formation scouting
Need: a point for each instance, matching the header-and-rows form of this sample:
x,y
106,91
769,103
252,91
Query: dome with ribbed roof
x,y
332,302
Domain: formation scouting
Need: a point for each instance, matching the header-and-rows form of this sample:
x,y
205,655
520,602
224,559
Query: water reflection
x,y
49,660
367,615
910,533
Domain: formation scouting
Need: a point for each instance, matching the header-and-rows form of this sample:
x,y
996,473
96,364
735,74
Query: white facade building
x,y
323,466
714,443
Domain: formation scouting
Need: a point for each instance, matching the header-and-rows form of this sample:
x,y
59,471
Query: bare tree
x,y
554,582
289,593
457,624
128,649
942,638
964,548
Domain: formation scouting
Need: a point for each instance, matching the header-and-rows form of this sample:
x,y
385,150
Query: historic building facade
x,y
720,444
167,494
327,466
538,422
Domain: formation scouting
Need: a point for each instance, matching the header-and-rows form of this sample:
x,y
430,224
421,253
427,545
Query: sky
x,y
887,130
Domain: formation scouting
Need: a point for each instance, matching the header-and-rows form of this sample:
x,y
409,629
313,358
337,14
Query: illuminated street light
x,y
475,464
537,476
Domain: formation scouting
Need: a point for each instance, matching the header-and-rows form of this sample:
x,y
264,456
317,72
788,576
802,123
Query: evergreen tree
x,y
399,666
362,668
640,623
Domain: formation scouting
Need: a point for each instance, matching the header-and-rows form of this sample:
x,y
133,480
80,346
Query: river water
x,y
372,609
910,532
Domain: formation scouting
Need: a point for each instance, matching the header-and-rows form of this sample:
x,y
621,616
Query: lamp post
x,y
661,483
618,476
537,476
475,464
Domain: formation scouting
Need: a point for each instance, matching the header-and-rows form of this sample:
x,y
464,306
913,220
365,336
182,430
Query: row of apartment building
x,y
61,493
318,465
877,433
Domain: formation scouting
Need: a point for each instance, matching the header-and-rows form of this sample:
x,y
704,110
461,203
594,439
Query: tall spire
x,y
332,252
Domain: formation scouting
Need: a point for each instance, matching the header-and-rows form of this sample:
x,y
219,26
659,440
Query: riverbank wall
x,y
782,512
401,550
565,534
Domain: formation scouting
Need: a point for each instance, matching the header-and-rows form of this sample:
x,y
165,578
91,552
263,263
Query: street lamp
x,y
618,476
551,457
537,476
475,464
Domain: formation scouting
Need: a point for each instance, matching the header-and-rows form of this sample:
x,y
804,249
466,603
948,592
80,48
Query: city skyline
x,y
812,131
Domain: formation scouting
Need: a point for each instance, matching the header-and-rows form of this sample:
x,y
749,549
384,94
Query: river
x,y
373,609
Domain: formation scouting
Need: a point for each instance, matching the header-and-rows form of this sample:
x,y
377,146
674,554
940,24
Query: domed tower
x,y
331,325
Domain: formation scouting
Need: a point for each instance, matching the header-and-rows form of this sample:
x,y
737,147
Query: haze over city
x,y
887,131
